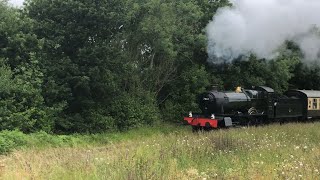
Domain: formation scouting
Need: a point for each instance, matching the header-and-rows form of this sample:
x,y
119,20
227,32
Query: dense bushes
x,y
131,111
10,140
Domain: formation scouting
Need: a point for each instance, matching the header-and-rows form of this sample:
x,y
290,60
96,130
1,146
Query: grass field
x,y
290,151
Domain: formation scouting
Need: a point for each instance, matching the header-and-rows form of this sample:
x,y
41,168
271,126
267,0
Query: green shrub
x,y
133,111
91,121
10,140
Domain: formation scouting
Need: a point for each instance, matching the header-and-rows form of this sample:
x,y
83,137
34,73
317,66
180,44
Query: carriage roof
x,y
307,93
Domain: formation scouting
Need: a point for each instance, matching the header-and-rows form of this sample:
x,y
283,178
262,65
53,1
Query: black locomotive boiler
x,y
254,106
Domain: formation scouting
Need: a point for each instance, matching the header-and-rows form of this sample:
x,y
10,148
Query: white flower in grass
x,y
301,164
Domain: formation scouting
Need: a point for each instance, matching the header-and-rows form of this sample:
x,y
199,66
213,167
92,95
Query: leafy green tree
x,y
22,104
166,40
86,63
281,71
183,96
246,73
254,72
306,77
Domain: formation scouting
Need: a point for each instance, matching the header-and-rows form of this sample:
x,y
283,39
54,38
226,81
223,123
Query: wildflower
x,y
301,164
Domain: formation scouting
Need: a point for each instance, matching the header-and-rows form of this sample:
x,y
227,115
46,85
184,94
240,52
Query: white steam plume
x,y
262,26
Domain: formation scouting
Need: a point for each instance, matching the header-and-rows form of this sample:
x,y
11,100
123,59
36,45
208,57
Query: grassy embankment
x,y
270,152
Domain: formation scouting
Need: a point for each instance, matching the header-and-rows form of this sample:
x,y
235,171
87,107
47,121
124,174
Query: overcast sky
x,y
16,2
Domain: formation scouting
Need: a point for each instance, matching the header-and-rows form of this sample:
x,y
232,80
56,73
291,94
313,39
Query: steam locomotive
x,y
259,105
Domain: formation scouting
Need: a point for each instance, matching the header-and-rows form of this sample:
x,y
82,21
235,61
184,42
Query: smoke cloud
x,y
261,27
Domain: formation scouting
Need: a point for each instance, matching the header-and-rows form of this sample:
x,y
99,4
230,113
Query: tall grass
x,y
290,151
13,140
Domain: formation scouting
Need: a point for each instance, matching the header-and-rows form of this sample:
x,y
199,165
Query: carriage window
x,y
315,103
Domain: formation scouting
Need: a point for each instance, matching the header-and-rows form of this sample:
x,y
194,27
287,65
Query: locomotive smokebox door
x,y
227,121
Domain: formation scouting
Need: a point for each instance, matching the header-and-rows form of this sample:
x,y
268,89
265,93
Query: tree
x,y
85,60
22,104
254,72
306,77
